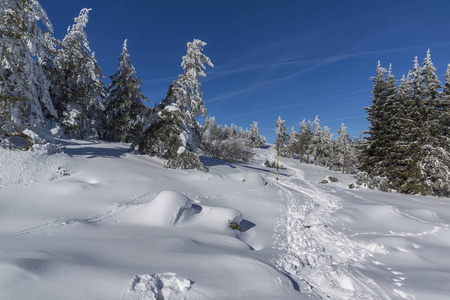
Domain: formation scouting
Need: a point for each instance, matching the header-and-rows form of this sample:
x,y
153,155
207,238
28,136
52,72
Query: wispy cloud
x,y
301,103
317,63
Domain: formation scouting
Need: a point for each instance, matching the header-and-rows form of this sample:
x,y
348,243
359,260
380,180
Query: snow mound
x,y
23,168
167,209
164,286
219,218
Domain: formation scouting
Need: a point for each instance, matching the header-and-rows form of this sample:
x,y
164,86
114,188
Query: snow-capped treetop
x,y
185,91
431,81
77,30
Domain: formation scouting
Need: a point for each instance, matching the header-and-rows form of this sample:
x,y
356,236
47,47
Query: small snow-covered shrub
x,y
235,226
324,181
231,150
351,186
332,179
19,141
273,165
373,182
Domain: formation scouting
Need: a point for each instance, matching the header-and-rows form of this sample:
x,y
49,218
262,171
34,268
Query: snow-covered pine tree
x,y
435,159
400,165
321,145
444,116
292,143
174,132
343,150
124,106
376,145
25,101
79,91
282,136
304,139
256,140
211,131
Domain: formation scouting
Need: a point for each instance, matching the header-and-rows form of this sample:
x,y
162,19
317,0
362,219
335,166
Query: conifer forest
x,y
55,88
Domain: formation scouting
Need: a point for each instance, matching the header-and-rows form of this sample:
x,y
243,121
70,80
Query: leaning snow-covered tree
x,y
25,101
124,108
78,92
174,132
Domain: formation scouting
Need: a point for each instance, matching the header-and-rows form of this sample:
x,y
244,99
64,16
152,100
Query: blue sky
x,y
294,59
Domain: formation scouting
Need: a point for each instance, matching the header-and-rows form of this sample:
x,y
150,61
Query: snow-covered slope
x,y
96,222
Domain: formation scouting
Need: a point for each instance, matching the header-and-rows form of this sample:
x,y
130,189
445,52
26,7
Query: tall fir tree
x,y
124,106
375,148
25,101
79,91
435,159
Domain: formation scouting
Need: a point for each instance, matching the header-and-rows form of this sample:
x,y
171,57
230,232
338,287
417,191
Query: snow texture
x,y
116,214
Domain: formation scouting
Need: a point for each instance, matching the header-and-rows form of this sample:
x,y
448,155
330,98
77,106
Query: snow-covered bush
x,y
373,182
229,149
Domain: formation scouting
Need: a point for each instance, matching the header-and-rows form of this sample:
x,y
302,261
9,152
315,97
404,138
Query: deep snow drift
x,y
96,222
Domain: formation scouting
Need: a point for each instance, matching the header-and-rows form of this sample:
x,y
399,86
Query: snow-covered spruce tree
x,y
256,140
79,91
342,158
375,146
304,140
292,144
124,105
282,137
435,159
321,145
174,132
400,165
25,101
444,116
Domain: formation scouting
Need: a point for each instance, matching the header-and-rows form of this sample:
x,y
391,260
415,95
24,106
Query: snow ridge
x,y
322,261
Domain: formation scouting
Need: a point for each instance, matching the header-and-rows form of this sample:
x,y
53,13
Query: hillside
x,y
97,222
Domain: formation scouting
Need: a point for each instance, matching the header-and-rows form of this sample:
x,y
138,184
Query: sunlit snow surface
x,y
97,222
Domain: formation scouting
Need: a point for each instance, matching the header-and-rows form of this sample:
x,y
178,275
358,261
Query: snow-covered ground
x,y
97,222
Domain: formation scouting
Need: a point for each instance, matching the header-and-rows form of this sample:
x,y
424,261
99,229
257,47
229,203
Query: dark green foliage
x,y
124,111
332,179
163,138
235,226
19,141
408,140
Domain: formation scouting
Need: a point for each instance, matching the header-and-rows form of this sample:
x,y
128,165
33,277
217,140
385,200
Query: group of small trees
x,y
408,140
230,143
48,83
317,145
